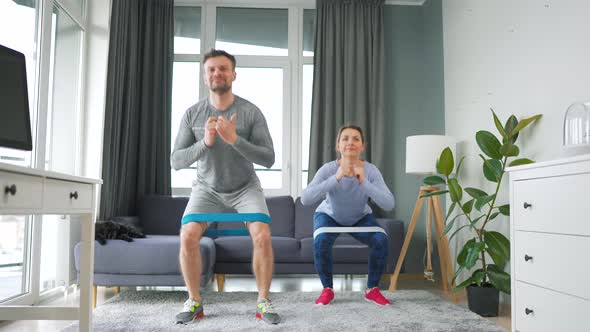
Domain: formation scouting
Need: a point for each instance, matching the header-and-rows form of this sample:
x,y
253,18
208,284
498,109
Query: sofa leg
x,y
117,289
220,282
94,289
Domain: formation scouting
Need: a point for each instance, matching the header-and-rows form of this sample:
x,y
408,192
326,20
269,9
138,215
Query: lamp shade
x,y
422,151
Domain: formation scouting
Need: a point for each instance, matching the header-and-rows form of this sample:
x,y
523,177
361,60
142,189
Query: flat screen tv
x,y
15,123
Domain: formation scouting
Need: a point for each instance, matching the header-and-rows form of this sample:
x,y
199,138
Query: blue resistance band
x,y
226,217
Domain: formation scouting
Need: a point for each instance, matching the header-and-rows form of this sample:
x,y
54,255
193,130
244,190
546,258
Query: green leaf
x,y
480,202
478,276
509,150
462,257
509,128
473,254
521,161
492,169
451,208
499,278
469,281
493,215
449,225
455,190
498,243
499,125
445,163
474,221
475,193
504,209
525,122
459,165
497,258
435,193
468,206
434,180
457,231
459,269
488,143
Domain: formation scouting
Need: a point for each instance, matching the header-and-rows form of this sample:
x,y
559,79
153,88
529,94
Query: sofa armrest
x,y
395,236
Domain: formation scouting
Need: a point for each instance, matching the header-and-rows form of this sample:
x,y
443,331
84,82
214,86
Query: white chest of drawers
x,y
550,244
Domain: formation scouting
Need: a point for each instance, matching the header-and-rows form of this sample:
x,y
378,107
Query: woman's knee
x,y
323,242
379,240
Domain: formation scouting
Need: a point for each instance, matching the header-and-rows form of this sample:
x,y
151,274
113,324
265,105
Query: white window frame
x,y
292,66
41,103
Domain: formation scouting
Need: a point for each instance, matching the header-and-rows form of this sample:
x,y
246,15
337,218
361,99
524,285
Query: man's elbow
x,y
175,164
270,161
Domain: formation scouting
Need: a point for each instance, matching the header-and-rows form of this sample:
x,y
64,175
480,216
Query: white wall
x,y
519,57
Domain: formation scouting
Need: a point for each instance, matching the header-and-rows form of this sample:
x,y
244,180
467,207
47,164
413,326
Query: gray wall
x,y
415,99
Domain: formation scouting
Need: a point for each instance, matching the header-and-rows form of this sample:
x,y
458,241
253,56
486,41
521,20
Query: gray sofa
x,y
153,261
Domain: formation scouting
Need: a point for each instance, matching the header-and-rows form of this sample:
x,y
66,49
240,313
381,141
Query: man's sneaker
x,y
191,311
375,296
266,312
326,297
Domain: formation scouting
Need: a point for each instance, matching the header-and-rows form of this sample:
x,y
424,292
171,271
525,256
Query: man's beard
x,y
221,89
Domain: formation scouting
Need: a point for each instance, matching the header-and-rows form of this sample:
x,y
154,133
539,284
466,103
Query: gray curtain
x,y
348,79
136,152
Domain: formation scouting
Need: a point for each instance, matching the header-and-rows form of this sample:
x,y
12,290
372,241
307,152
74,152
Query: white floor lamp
x,y
422,151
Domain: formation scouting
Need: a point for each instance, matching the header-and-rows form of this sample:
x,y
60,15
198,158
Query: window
x,y
18,31
185,92
264,88
308,44
186,81
274,71
63,140
51,37
252,31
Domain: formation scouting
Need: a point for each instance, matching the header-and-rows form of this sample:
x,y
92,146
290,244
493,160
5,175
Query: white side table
x,y
25,191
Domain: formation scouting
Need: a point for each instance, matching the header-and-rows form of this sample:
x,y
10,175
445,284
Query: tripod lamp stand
x,y
422,151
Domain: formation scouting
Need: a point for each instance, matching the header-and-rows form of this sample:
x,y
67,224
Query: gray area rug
x,y
411,310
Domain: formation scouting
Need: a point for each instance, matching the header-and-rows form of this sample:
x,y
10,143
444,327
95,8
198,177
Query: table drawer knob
x,y
10,190
527,205
74,195
528,311
527,258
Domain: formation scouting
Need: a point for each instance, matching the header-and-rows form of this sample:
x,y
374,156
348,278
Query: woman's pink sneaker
x,y
374,295
326,297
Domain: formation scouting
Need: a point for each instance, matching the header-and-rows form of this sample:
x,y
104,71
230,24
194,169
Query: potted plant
x,y
487,251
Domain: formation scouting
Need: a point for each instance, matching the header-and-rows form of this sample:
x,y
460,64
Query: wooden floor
x,y
304,283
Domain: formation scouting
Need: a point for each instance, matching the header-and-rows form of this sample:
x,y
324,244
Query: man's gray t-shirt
x,y
224,167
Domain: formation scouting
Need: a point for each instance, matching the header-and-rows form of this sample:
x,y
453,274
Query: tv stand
x,y
25,191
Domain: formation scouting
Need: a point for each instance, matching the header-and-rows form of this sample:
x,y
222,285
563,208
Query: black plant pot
x,y
483,300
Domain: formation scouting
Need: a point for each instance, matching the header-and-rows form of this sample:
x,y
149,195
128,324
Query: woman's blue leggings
x,y
323,243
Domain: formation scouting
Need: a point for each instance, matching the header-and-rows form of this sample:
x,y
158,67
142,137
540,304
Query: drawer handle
x,y
74,195
10,190
528,311
527,258
527,205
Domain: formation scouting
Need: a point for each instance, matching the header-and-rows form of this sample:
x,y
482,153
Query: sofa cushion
x,y
304,218
346,250
239,249
161,215
154,255
281,213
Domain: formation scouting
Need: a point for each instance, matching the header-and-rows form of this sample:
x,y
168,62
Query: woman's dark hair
x,y
215,53
349,126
